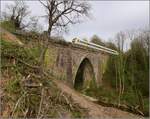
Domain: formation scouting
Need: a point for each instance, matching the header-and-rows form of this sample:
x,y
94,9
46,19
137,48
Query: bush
x,y
8,25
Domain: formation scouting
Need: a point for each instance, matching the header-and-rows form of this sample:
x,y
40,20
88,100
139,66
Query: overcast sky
x,y
108,18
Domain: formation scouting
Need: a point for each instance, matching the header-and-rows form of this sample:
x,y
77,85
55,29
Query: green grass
x,y
13,86
76,114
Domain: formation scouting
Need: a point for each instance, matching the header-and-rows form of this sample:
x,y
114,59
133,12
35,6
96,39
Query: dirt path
x,y
95,110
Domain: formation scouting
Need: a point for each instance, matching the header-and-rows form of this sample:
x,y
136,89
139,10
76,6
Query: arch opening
x,y
84,75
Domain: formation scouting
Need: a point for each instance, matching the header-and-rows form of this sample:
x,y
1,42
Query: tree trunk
x,y
43,52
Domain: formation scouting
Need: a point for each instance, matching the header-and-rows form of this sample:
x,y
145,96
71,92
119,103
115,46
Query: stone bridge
x,y
76,65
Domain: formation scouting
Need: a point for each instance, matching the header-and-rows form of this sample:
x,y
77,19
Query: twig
x,y
42,97
31,66
26,112
33,85
5,66
18,103
68,102
36,76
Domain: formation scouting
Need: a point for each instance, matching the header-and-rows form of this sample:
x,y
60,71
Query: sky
x,y
107,18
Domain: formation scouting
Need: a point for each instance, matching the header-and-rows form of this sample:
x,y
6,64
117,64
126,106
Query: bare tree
x,y
34,25
16,13
144,37
60,14
95,39
121,62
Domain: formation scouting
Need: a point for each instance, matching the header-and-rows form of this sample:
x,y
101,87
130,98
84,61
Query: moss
x,y
76,114
50,58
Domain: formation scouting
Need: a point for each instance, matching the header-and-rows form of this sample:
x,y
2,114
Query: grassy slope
x,y
19,100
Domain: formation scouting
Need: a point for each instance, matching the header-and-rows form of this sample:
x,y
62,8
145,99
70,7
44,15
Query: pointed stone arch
x,y
85,68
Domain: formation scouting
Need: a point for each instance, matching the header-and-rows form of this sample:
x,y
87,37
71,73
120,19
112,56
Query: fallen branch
x,y
21,61
29,65
128,108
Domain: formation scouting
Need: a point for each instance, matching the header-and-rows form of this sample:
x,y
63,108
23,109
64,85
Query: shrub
x,y
8,25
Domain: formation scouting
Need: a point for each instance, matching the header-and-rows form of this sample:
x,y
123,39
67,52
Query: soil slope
x,y
94,110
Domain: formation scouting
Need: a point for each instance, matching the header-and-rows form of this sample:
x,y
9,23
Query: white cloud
x,y
109,17
112,16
